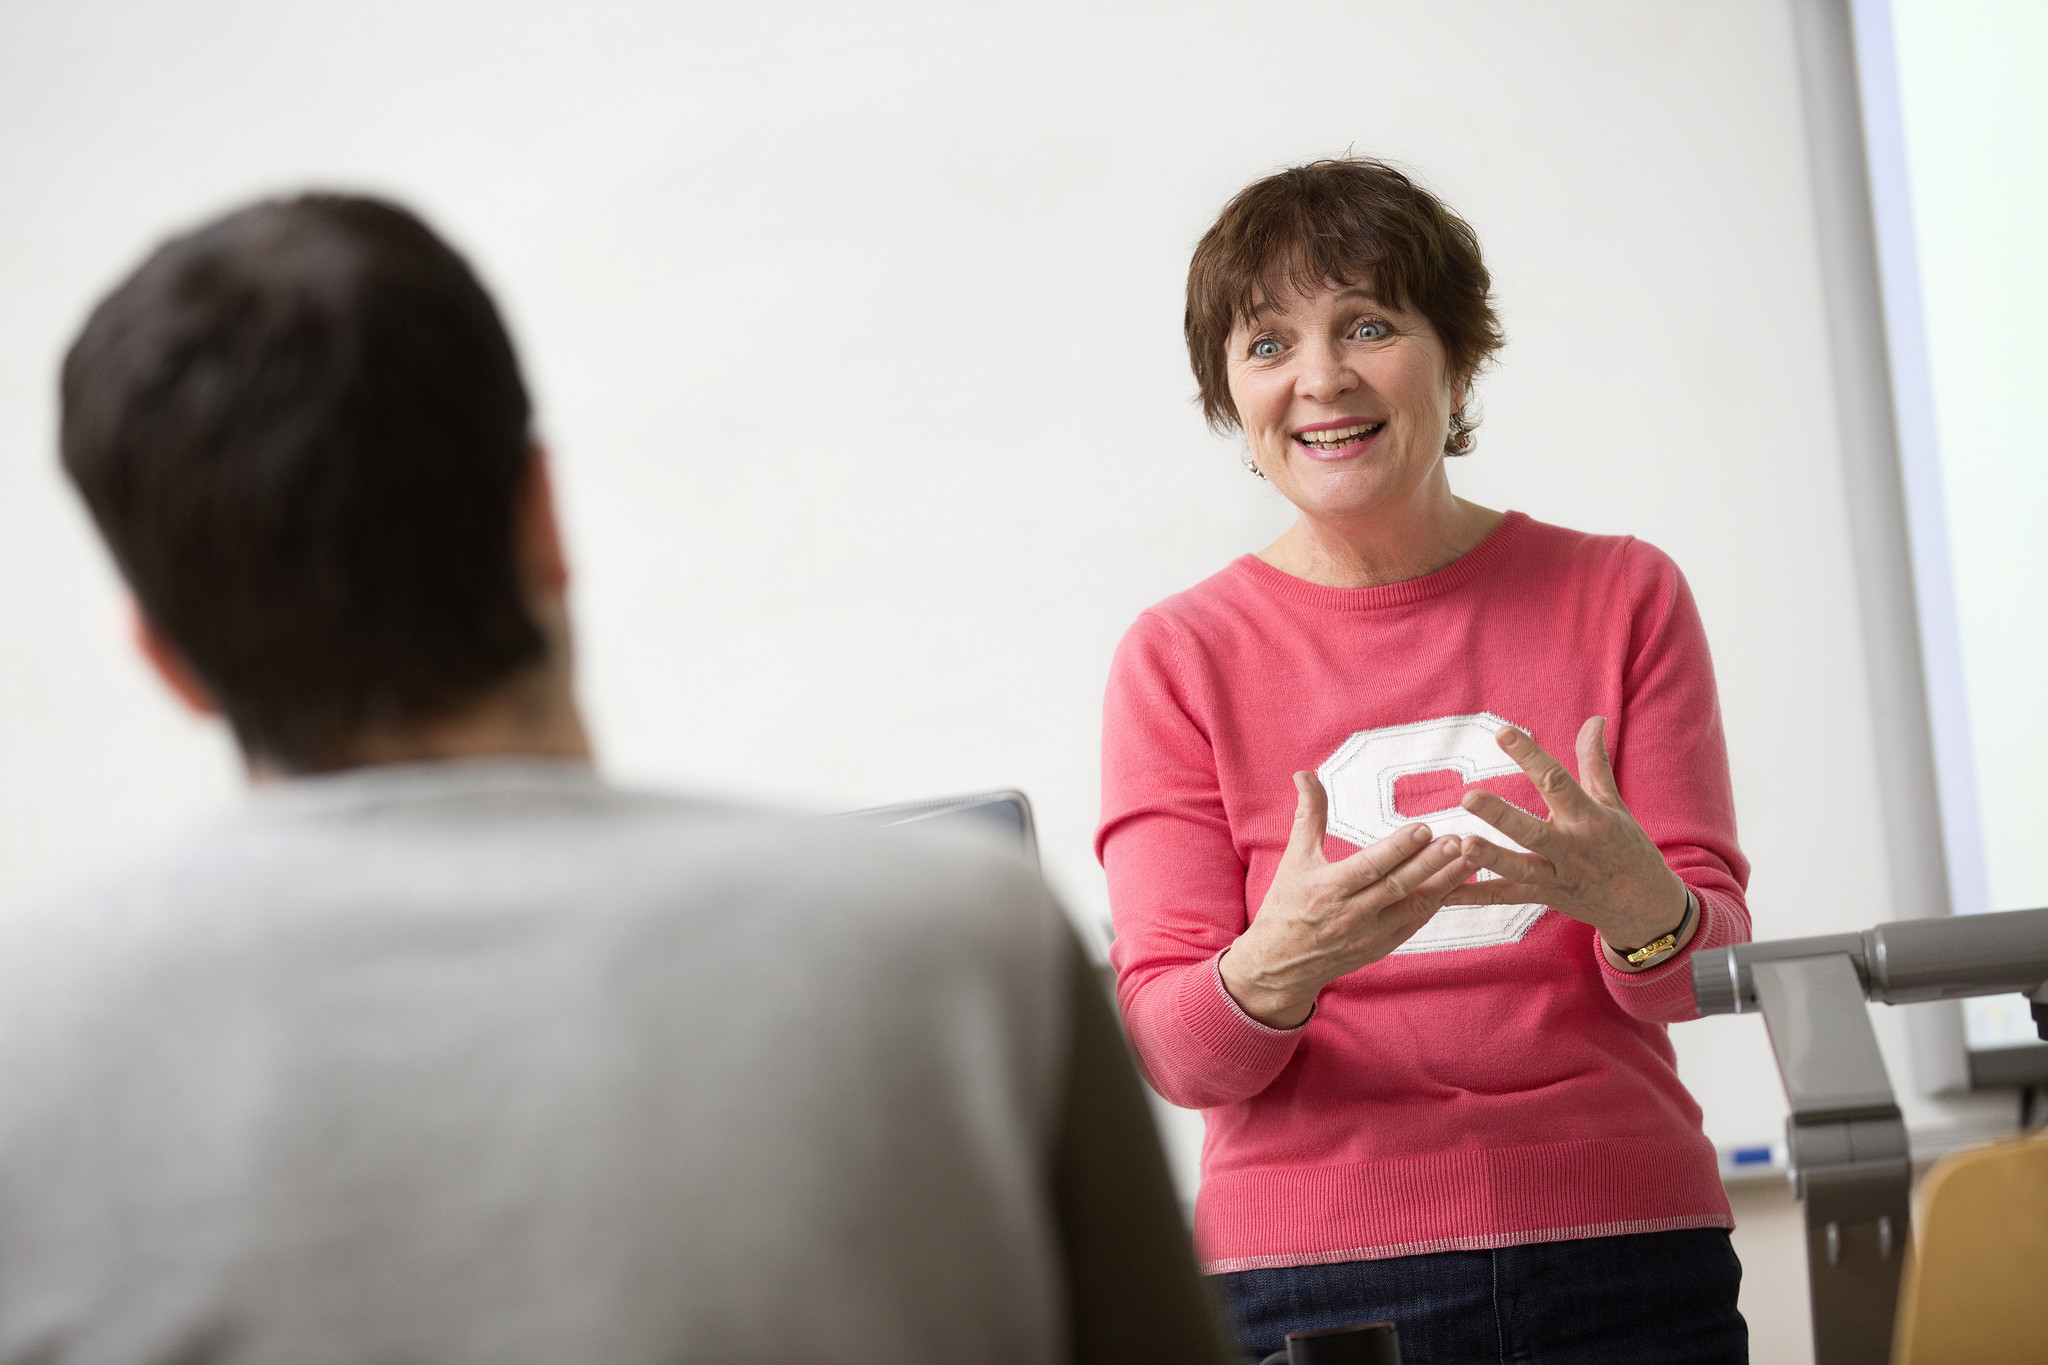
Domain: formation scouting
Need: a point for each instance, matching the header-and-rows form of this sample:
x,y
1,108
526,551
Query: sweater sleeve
x,y
1176,885
1671,764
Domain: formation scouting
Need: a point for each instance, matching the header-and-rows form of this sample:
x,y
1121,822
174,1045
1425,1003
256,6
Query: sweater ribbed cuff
x,y
1665,991
1230,1035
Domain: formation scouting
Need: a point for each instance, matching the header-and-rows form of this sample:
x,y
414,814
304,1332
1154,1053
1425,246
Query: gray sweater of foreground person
x,y
490,1061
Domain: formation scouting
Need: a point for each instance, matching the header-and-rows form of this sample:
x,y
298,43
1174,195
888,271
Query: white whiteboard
x,y
856,334
1957,120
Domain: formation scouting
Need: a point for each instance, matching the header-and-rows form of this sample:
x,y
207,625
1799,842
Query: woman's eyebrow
x,y
1264,307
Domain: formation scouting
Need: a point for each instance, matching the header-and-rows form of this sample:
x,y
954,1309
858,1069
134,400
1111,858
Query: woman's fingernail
x,y
1420,834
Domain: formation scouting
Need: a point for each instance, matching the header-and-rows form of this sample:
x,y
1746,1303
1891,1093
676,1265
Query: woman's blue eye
x,y
1370,331
1265,348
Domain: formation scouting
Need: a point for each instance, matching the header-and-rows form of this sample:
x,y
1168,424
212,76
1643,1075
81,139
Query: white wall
x,y
855,330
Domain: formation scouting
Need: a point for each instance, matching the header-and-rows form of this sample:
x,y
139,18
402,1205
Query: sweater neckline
x,y
1460,571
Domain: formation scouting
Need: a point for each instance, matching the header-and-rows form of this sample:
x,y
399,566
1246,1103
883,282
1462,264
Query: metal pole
x,y
1847,1142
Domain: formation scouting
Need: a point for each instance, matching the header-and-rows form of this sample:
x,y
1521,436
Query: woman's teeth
x,y
1336,439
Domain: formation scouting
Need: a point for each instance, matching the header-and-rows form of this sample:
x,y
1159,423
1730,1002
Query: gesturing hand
x,y
1322,920
1590,860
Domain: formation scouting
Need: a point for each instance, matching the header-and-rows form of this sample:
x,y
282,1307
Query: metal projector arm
x,y
1847,1141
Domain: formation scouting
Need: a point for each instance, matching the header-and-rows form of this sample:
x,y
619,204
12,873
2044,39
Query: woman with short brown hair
x,y
1419,989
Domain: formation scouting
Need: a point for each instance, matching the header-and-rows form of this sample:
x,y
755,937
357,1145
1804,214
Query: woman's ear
x,y
165,660
538,534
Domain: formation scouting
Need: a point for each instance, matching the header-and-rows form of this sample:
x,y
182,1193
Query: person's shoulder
x,y
1222,593
127,887
105,927
601,864
1627,560
915,871
1219,608
838,878
831,849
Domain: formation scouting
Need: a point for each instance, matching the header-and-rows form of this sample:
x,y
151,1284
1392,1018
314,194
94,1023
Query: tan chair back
x,y
1975,1290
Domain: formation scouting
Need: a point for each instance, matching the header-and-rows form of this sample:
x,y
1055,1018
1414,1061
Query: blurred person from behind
x,y
440,1047
1415,971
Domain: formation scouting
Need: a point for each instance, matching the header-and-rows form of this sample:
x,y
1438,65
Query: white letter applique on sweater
x,y
1360,779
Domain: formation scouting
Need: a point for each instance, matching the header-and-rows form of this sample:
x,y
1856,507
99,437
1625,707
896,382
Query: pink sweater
x,y
1495,1082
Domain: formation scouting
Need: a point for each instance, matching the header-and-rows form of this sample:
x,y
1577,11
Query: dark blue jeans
x,y
1652,1298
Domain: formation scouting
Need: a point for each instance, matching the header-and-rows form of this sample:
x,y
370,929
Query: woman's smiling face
x,y
1345,400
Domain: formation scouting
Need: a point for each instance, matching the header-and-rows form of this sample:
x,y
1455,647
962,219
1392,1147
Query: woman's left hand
x,y
1590,860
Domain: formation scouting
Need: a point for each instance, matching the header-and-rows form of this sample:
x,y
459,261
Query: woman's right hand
x,y
1322,920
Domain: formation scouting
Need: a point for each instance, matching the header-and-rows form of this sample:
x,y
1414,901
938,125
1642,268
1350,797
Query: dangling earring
x,y
1460,441
1251,464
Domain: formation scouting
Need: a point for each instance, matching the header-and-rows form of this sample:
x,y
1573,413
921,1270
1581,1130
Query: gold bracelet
x,y
1658,947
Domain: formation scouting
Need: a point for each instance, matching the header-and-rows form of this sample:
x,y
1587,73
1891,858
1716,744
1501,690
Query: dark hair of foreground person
x,y
302,430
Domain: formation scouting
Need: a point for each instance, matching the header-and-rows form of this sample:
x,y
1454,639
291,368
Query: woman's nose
x,y
1325,375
